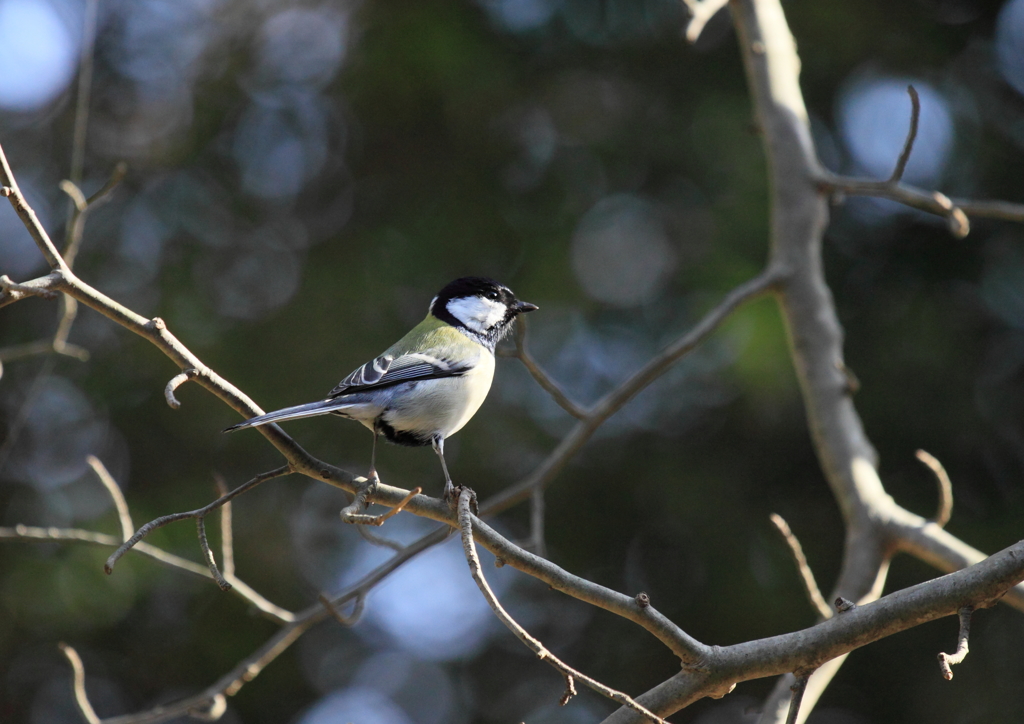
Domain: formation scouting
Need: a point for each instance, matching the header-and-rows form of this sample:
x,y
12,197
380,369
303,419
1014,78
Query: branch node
x,y
643,600
948,660
357,609
843,605
798,688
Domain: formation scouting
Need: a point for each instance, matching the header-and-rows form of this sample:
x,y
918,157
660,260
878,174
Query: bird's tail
x,y
310,409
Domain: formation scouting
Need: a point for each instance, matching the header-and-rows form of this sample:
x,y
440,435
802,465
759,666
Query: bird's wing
x,y
388,370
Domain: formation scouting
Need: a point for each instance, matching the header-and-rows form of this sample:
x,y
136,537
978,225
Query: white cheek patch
x,y
477,313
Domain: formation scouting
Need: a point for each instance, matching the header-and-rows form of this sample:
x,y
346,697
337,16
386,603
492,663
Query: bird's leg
x,y
372,475
449,488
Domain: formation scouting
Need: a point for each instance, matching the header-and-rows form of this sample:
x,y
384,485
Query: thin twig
x,y
43,346
357,609
78,685
379,540
629,388
542,378
806,575
28,216
211,562
908,145
945,510
350,513
198,513
570,690
948,660
797,688
701,11
177,381
227,534
124,516
207,702
466,497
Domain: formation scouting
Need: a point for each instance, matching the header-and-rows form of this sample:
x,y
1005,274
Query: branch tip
x,y
908,145
177,381
945,509
843,605
948,660
78,684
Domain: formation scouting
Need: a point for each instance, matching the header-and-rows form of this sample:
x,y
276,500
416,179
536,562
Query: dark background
x,y
304,177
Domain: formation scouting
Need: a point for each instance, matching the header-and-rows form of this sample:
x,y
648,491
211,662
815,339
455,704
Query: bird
x,y
426,386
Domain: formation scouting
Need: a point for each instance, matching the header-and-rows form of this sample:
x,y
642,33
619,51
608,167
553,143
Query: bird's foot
x,y
374,481
450,495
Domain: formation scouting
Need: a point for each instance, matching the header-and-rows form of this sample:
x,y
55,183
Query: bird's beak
x,y
525,307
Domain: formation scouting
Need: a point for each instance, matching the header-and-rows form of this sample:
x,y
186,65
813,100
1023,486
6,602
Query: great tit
x,y
426,386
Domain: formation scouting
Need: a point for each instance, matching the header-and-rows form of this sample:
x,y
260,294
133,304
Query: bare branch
x,y
945,510
123,514
28,216
198,513
349,515
466,524
947,660
908,146
549,385
78,685
614,400
38,287
810,585
43,346
934,202
208,702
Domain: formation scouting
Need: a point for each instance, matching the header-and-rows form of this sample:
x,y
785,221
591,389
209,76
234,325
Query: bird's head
x,y
479,305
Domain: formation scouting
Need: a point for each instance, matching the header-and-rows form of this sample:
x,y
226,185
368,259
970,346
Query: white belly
x,y
442,407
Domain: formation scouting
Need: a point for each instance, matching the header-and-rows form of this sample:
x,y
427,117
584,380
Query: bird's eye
x,y
492,295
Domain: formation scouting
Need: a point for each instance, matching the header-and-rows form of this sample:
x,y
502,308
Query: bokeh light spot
x,y
38,54
621,253
366,706
1010,43
301,46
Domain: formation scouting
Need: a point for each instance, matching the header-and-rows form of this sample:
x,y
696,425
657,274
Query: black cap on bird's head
x,y
480,306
